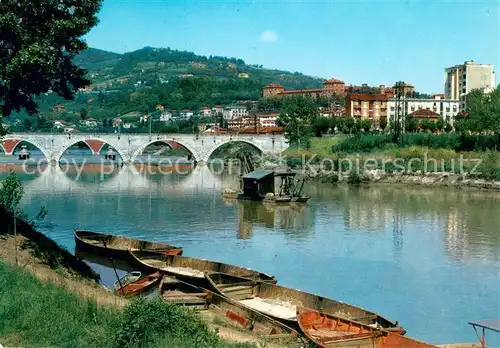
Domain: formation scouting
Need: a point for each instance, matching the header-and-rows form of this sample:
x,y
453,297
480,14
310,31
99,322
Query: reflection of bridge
x,y
115,179
129,146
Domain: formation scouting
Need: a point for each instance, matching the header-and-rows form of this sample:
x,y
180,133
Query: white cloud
x,y
268,36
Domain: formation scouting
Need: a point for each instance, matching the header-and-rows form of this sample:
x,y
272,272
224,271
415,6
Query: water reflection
x,y
466,217
292,218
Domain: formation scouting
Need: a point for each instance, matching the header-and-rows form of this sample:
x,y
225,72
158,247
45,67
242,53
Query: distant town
x,y
338,99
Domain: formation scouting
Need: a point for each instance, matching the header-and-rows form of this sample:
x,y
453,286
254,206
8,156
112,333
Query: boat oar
x,y
114,268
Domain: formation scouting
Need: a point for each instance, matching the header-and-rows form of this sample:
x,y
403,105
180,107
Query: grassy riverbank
x,y
472,156
50,298
36,313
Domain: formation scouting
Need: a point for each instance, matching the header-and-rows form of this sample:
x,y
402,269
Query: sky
x,y
374,42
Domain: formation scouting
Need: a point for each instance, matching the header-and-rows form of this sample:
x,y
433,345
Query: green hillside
x,y
140,80
154,64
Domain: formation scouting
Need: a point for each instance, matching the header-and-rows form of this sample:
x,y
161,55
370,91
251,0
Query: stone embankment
x,y
430,179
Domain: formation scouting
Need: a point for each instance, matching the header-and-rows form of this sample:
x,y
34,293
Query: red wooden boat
x,y
139,286
328,331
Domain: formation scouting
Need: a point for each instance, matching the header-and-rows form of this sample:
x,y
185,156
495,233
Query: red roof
x,y
273,85
364,96
424,113
300,91
91,119
334,81
264,114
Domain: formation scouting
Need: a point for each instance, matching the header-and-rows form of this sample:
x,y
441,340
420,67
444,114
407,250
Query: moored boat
x,y
329,331
118,246
281,303
191,269
139,286
127,279
175,291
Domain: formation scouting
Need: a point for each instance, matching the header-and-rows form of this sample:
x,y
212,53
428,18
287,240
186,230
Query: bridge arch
x,y
94,144
235,140
13,143
167,142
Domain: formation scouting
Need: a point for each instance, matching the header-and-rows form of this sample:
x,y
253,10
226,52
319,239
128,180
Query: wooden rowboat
x,y
328,331
281,303
190,269
127,279
139,286
175,291
117,246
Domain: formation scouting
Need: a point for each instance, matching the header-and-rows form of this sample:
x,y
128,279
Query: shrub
x,y
453,141
145,321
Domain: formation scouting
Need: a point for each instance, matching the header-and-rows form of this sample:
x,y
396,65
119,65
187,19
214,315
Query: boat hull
x,y
140,286
329,331
117,246
178,292
279,302
189,269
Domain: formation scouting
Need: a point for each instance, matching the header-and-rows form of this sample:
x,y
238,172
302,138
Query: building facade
x,y
446,108
371,107
463,78
331,87
234,111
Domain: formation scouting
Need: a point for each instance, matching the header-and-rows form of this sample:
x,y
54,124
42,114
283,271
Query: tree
x,y
296,116
38,41
383,123
320,125
11,192
27,124
440,124
366,125
483,110
411,125
84,113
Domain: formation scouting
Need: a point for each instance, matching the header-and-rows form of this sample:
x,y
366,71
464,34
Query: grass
x,y
321,147
35,313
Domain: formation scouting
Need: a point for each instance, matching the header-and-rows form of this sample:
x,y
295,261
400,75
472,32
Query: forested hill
x,y
134,83
158,65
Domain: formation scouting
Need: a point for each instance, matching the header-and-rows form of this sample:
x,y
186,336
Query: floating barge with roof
x,y
259,185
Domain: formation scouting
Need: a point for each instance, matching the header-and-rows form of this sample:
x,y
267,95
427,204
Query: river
x,y
429,258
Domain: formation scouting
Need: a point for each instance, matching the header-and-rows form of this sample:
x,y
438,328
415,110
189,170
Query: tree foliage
x,y
38,40
482,112
11,192
297,115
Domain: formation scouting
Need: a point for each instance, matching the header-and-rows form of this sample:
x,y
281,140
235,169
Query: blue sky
x,y
374,42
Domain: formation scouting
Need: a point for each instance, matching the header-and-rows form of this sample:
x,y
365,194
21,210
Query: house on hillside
x,y
217,109
166,116
60,124
205,111
89,123
234,111
186,114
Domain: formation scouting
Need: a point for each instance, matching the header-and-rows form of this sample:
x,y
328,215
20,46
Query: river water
x,y
429,258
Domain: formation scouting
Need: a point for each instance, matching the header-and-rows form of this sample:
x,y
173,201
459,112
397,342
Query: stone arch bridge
x,y
129,146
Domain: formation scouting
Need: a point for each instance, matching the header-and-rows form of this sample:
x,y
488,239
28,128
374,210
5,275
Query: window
x,y
392,108
454,108
448,109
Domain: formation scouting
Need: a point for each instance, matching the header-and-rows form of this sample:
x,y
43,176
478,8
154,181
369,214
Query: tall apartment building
x,y
461,79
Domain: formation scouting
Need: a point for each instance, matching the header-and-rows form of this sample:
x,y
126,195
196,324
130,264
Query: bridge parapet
x,y
129,146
